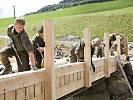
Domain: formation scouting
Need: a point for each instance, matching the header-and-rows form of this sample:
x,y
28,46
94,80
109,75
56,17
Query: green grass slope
x,y
113,16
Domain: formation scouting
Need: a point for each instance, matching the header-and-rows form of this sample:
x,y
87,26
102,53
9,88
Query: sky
x,y
22,6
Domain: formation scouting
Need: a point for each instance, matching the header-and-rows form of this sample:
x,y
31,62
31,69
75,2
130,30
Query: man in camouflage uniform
x,y
112,38
77,51
100,50
127,66
39,44
20,42
114,47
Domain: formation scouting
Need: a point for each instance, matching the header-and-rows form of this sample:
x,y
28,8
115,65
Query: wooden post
x,y
126,45
118,44
106,53
87,56
49,61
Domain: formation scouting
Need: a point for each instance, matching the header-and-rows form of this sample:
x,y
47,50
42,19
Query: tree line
x,y
66,4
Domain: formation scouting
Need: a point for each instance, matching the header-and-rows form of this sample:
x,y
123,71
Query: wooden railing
x,y
54,82
29,85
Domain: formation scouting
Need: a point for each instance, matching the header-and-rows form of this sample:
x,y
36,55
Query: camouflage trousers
x,y
74,58
8,51
38,59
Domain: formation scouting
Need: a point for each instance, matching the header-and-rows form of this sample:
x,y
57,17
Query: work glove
x,y
93,67
34,68
10,41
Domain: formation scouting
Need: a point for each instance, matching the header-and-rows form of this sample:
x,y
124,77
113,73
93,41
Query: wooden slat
x,y
20,80
57,82
62,81
1,96
79,75
67,79
75,76
20,94
68,68
62,91
72,78
38,89
30,92
118,44
43,88
126,45
49,60
41,97
10,95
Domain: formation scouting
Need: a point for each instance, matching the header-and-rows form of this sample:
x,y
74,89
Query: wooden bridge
x,y
54,82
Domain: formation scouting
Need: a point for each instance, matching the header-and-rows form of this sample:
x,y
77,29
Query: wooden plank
x,y
20,94
82,75
87,56
79,75
41,97
118,44
106,53
126,45
72,78
2,96
68,68
10,95
62,91
75,76
67,79
62,81
43,88
57,82
30,92
38,89
49,60
20,80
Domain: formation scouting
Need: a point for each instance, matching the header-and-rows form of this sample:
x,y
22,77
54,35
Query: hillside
x,y
113,16
67,4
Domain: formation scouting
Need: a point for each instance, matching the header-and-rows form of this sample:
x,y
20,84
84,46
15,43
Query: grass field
x,y
113,16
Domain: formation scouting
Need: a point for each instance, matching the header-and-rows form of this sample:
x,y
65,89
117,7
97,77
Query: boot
x,y
8,70
2,69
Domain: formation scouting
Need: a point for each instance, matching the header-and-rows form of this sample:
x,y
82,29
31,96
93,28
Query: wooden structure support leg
x,y
87,56
106,53
49,61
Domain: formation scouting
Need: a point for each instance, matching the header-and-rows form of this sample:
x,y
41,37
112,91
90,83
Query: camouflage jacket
x,y
37,41
128,68
20,40
78,50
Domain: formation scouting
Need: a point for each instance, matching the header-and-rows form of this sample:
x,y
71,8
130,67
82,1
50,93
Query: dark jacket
x,y
37,40
20,40
128,68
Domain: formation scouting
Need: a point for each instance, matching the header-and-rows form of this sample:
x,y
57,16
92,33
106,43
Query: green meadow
x,y
113,16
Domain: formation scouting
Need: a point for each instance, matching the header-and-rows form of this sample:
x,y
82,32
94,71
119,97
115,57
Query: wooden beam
x,y
68,68
22,79
87,56
49,60
20,94
126,45
106,53
118,44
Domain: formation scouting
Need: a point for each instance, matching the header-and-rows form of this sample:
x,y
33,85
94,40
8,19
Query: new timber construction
x,y
54,82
